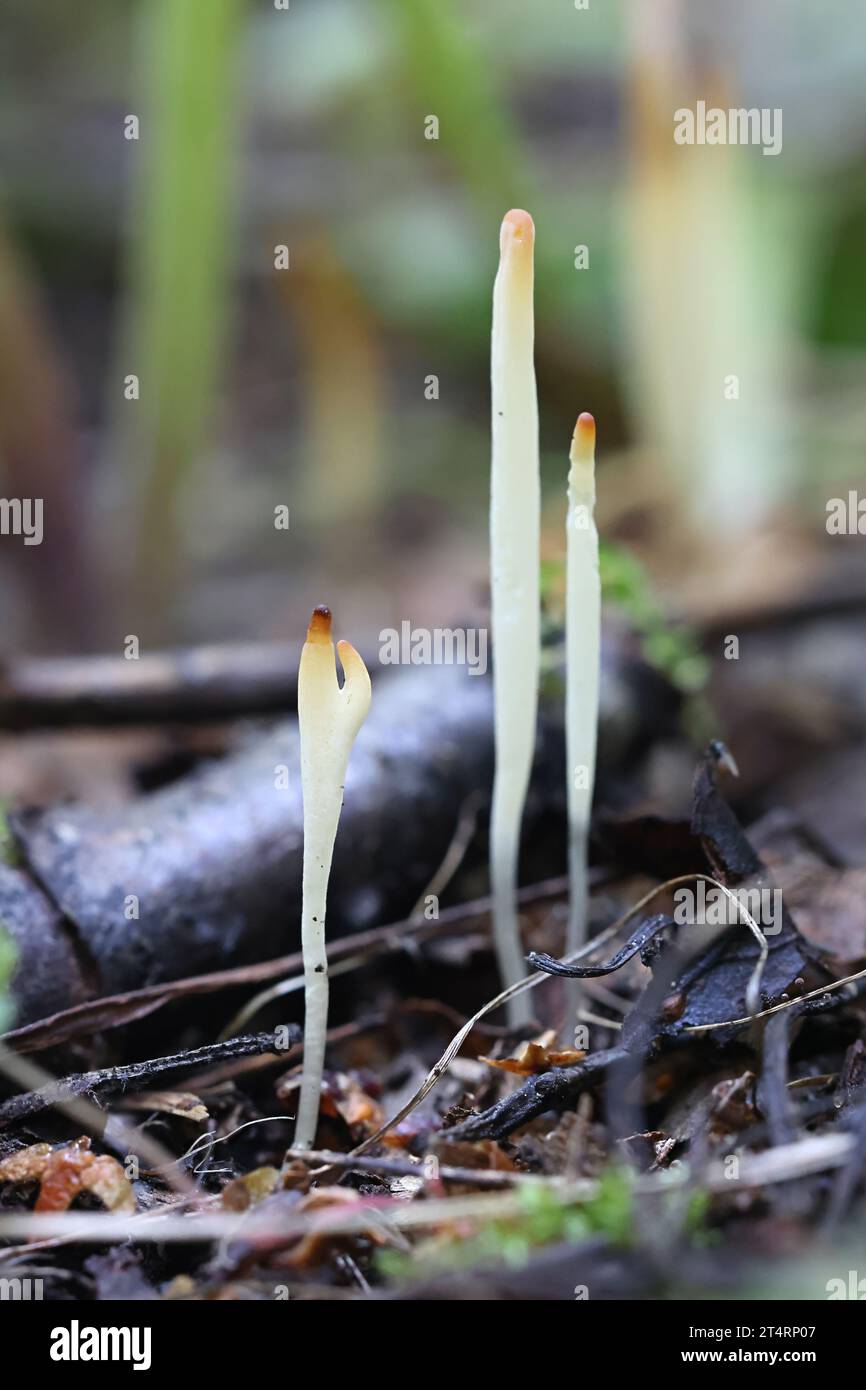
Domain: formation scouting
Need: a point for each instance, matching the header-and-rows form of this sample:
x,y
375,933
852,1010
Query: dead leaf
x,y
343,1095
73,1169
829,904
64,1173
245,1192
317,1246
182,1104
536,1057
486,1155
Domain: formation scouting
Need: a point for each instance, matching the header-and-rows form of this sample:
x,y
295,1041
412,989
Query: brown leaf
x,y
343,1095
182,1104
535,1057
65,1172
829,904
486,1155
317,1246
244,1192
73,1169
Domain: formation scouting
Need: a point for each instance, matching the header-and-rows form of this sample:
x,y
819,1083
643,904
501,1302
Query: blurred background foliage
x,y
306,387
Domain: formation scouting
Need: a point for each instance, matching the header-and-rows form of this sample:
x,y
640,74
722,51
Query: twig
x,y
26,1073
777,1008
772,1090
460,842
552,1090
436,1072
462,838
261,1229
651,928
783,1164
405,1168
587,1017
208,1141
816,1154
529,982
96,1015
137,1075
850,1175
293,985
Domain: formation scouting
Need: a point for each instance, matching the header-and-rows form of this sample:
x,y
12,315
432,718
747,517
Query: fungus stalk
x,y
329,718
582,660
515,583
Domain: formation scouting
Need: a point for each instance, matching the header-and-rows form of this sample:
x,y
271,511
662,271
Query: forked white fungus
x,y
329,718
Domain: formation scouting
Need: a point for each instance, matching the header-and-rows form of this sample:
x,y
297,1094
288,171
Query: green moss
x,y
545,1218
670,648
8,960
10,852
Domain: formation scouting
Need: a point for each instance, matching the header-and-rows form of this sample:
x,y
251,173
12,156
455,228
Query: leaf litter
x,y
532,1153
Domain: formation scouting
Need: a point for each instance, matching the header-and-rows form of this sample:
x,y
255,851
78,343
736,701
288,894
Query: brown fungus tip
x,y
320,624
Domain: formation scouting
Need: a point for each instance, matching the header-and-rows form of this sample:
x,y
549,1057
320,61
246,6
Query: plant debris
x,y
62,1174
110,1081
528,1150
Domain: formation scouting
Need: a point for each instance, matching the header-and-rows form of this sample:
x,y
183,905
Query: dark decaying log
x,y
211,864
53,973
190,684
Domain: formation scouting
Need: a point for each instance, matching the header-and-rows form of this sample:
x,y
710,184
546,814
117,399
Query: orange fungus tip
x,y
320,625
584,430
517,226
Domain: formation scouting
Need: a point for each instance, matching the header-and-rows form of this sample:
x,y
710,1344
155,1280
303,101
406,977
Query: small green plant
x,y
545,1217
671,648
10,852
181,222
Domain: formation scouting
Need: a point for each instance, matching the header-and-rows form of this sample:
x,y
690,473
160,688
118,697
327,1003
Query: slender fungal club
x,y
329,717
515,506
582,660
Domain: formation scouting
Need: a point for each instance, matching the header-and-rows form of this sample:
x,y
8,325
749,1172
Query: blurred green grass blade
x,y
448,75
181,240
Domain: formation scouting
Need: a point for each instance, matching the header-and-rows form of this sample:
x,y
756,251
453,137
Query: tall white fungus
x,y
583,650
515,582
